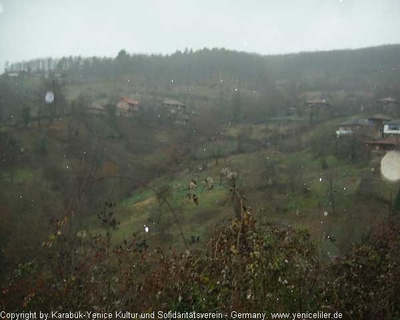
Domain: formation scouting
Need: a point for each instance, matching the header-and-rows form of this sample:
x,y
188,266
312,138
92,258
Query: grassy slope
x,y
353,217
294,208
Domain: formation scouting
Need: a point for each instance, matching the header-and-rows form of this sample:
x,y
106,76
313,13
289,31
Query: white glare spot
x,y
146,229
67,167
236,89
390,166
172,80
49,98
320,179
326,213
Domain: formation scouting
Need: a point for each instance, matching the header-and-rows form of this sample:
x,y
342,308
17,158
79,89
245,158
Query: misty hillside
x,y
202,180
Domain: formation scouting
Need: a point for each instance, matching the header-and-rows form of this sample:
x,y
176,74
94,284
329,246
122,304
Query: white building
x,y
392,127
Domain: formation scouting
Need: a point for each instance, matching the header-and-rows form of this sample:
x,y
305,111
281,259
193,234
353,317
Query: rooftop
x,y
388,100
394,121
171,102
380,116
357,122
321,102
96,106
129,101
386,141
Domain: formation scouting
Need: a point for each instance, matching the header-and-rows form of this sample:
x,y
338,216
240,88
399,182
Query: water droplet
x,y
390,166
326,213
49,98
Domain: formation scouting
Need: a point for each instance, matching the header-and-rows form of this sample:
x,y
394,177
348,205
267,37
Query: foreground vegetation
x,y
242,268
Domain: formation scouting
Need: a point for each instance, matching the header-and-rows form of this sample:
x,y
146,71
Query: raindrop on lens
x,y
49,98
390,166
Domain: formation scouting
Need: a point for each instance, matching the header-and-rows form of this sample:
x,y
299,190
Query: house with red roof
x,y
126,106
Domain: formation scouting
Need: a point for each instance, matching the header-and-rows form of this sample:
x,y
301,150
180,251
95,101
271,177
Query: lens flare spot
x,y
49,98
390,166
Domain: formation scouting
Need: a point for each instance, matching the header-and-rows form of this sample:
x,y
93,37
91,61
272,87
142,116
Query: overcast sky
x,y
42,28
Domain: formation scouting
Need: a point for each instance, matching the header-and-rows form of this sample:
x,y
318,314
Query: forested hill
x,y
354,68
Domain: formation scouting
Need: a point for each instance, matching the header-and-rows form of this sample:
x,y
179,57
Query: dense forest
x,y
243,198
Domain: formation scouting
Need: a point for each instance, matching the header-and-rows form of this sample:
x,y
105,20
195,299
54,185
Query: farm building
x,y
360,126
388,104
182,119
318,103
391,128
389,143
177,111
317,109
379,119
95,108
174,106
388,100
126,105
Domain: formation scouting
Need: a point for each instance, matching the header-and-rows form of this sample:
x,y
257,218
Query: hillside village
x,y
127,157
